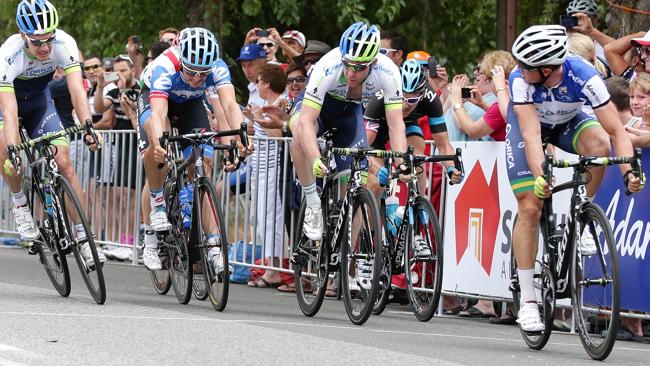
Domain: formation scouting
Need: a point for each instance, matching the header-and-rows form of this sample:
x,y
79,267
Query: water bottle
x,y
48,200
392,205
185,197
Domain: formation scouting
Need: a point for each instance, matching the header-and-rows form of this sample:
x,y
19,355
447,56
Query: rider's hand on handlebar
x,y
382,176
93,142
633,182
159,154
541,188
455,176
319,168
9,168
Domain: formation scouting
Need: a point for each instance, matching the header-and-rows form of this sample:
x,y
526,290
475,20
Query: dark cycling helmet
x,y
414,78
588,7
360,42
36,17
541,45
199,48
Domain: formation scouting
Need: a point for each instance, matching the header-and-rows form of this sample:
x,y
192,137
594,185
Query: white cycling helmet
x,y
199,47
588,7
36,17
541,45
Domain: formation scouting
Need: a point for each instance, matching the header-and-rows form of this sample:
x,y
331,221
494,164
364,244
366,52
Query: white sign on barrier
x,y
479,217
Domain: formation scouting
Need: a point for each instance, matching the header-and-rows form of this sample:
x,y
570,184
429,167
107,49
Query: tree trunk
x,y
195,13
621,22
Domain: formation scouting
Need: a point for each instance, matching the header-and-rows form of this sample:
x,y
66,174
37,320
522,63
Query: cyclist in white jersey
x,y
547,92
341,81
27,63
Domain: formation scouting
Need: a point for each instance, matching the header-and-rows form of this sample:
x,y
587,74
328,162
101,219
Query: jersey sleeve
x,y
596,92
66,53
219,77
432,108
320,82
161,83
392,87
8,66
375,109
520,91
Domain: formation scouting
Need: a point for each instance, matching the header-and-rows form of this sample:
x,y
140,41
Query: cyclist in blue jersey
x,y
28,61
340,82
548,90
172,95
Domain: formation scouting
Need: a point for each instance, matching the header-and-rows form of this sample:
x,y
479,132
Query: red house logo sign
x,y
477,217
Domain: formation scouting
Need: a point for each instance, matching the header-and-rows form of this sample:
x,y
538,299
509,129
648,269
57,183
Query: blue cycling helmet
x,y
414,78
36,17
199,48
360,42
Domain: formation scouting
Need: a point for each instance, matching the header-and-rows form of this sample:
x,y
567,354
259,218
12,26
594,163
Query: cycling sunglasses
x,y
41,42
385,51
356,67
193,72
414,100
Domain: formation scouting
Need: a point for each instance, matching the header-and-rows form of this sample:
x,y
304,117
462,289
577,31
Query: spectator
x,y
583,46
295,40
624,55
169,36
495,68
251,58
313,53
296,78
108,64
394,46
619,93
270,49
134,51
640,107
587,13
94,72
269,213
643,46
422,57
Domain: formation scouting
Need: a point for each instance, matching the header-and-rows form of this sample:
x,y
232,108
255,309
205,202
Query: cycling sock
x,y
590,198
526,285
150,240
311,194
157,198
19,198
79,231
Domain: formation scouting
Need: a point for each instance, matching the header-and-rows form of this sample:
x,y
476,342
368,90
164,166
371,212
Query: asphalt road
x,y
259,327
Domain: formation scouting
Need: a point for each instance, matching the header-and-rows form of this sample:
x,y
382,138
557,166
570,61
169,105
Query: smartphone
x,y
466,92
433,64
110,77
262,33
568,21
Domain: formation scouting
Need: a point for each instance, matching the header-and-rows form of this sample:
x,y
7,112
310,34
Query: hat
x,y
314,46
108,62
643,41
421,57
251,52
296,36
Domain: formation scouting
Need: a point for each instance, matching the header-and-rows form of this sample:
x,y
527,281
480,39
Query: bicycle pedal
x,y
34,249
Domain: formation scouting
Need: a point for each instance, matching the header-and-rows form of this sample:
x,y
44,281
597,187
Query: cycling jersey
x,y
25,75
581,85
327,78
164,78
429,106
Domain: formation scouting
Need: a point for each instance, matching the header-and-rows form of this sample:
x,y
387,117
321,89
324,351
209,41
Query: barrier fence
x,y
260,206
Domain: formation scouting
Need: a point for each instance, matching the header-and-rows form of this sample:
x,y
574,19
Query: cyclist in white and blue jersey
x,y
547,92
28,61
174,87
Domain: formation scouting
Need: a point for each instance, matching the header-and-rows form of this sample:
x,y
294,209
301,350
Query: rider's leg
x,y
594,141
418,144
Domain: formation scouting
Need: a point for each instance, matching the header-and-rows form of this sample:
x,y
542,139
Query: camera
x,y
433,64
568,21
262,33
466,92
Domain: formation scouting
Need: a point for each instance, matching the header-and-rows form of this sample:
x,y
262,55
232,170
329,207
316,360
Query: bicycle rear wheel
x,y
385,279
199,288
53,260
595,285
544,287
212,233
161,279
310,268
71,211
423,272
361,255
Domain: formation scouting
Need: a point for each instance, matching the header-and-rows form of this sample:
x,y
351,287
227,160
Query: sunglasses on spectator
x,y
92,67
192,73
385,51
414,100
356,67
41,42
124,58
297,79
269,45
643,50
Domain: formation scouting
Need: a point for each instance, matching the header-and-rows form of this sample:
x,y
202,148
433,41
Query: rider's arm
x,y
396,130
531,131
441,140
159,108
608,118
78,95
9,108
615,50
219,122
234,116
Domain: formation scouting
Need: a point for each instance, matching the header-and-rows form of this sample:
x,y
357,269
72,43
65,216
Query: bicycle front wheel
x,y
310,268
53,260
595,284
73,215
361,256
214,244
423,259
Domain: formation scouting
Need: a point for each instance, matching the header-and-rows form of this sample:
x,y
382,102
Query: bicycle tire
x,y
50,255
593,327
544,285
426,225
161,279
199,288
93,276
359,305
385,279
216,284
313,260
178,253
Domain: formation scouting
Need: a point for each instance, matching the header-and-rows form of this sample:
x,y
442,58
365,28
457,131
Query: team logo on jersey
x,y
163,82
563,90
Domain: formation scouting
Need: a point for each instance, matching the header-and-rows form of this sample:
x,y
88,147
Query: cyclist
x,y
547,90
172,95
419,101
340,82
28,61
